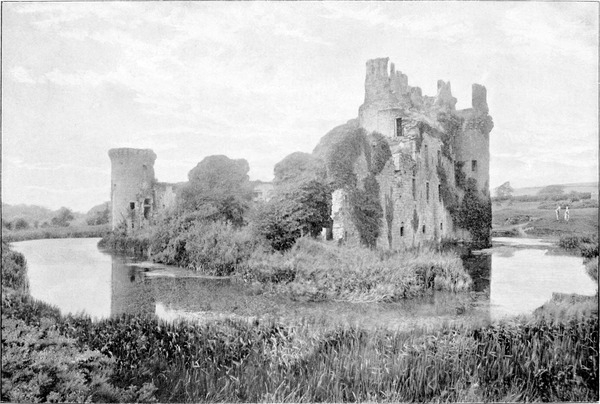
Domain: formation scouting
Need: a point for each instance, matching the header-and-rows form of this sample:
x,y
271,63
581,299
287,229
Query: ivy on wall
x,y
460,178
348,146
475,214
389,215
342,156
452,126
449,194
415,221
366,211
380,152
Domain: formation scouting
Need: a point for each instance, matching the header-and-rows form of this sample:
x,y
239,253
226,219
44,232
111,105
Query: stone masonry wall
x,y
132,181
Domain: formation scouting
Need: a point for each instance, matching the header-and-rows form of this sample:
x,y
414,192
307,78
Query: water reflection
x,y
129,293
75,276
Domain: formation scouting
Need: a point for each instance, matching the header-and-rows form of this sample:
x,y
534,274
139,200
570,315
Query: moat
x,y
514,277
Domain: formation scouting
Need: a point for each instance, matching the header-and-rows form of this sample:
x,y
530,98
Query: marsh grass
x,y
316,271
240,361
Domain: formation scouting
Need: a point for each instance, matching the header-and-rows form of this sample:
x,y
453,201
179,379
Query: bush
x,y
586,245
301,208
14,271
216,248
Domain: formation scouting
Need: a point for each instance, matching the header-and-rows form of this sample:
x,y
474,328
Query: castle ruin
x,y
435,150
438,155
135,195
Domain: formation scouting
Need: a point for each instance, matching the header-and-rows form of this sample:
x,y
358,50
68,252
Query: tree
x,y
295,212
63,217
298,167
221,183
552,190
99,216
20,224
504,191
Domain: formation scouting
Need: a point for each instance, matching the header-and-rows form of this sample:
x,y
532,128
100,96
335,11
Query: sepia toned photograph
x,y
298,201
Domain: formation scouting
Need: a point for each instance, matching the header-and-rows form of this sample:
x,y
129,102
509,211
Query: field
x,y
514,218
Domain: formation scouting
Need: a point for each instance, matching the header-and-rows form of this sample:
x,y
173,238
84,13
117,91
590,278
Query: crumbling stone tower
x,y
438,155
132,186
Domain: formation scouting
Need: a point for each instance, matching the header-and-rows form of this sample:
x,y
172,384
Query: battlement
x,y
126,152
384,88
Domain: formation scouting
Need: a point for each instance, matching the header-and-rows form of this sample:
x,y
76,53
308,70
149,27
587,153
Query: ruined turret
x,y
132,180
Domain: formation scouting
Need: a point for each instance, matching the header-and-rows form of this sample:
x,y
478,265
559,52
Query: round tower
x,y
131,186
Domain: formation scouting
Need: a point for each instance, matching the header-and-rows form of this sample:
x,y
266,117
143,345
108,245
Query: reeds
x,y
238,361
316,271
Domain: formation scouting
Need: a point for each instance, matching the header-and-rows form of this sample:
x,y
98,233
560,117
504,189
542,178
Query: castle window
x,y
440,192
398,127
132,205
474,165
426,157
427,190
423,229
439,154
402,229
147,207
414,188
442,226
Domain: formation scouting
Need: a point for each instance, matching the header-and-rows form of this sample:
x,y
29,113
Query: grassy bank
x,y
311,270
316,271
526,219
56,232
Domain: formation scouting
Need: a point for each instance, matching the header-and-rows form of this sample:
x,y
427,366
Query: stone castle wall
x,y
414,211
132,182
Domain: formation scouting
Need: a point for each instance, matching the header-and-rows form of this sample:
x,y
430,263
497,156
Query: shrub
x,y
586,245
14,271
298,209
217,248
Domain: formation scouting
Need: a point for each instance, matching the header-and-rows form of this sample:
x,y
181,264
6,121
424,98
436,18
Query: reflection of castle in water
x,y
130,290
479,266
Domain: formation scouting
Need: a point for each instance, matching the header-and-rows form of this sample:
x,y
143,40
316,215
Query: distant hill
x,y
32,213
577,187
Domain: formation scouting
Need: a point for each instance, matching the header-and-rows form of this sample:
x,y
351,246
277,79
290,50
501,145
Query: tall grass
x,y
315,271
240,361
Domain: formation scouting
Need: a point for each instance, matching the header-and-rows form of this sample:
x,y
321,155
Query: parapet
x,y
479,98
126,152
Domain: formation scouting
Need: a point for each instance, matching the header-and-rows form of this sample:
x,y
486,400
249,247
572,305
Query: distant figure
x,y
558,212
567,214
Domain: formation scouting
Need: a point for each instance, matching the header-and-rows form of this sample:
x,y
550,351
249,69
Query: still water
x,y
514,277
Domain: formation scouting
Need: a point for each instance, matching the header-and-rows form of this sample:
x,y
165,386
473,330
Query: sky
x,y
261,80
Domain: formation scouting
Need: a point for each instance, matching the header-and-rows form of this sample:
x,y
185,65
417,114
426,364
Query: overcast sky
x,y
261,80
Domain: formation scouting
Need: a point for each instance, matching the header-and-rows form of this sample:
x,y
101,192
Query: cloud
x,y
22,75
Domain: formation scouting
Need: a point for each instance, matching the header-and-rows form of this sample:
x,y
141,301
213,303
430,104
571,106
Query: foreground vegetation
x,y
47,357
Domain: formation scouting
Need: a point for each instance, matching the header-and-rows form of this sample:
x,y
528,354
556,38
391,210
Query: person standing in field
x,y
567,214
557,212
